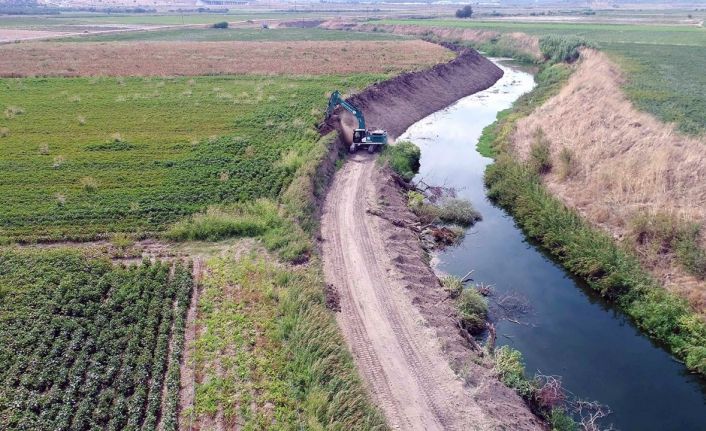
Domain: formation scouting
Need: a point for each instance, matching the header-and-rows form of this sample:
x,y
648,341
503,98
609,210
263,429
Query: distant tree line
x,y
464,12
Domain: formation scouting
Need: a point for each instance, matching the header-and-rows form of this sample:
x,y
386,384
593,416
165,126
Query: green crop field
x,y
82,157
665,63
235,34
86,345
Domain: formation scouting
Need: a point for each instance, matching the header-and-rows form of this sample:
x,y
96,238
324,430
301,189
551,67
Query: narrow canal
x,y
569,331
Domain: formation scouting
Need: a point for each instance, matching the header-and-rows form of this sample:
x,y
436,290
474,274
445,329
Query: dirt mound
x,y
396,104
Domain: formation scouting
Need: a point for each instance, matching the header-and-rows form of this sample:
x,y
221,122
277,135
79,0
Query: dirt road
x,y
398,356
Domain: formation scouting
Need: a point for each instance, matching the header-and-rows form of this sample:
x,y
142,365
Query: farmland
x,y
236,34
176,135
79,340
664,62
96,155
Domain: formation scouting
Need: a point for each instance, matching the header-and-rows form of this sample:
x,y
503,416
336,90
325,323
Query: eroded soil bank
x,y
396,318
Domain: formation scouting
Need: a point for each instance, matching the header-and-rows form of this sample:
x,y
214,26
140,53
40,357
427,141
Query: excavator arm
x,y
336,100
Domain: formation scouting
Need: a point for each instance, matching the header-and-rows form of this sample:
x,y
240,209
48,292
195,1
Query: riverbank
x,y
408,346
561,326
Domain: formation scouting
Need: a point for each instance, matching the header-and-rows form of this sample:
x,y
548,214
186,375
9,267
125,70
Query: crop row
x,y
84,345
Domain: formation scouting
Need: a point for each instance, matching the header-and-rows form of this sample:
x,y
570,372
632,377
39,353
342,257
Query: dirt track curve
x,y
398,356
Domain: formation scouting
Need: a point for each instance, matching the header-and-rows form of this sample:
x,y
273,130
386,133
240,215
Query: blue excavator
x,y
362,137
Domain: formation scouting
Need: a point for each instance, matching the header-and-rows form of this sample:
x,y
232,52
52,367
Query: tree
x,y
464,12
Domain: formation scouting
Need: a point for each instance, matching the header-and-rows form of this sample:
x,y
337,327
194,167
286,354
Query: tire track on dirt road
x,y
398,356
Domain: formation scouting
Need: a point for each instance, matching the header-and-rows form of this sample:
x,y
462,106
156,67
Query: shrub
x,y
561,48
567,163
222,24
403,157
511,370
459,211
662,233
13,111
464,12
89,184
473,310
540,158
453,285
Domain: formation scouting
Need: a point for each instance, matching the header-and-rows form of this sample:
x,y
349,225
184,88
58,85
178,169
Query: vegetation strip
x,y
584,250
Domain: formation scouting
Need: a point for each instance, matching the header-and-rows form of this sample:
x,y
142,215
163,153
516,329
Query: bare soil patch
x,y
213,58
13,34
622,162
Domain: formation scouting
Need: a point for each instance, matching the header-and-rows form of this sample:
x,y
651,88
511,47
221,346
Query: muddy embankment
x,y
398,321
396,104
614,163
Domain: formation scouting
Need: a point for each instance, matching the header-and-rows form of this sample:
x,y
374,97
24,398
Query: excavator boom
x,y
361,136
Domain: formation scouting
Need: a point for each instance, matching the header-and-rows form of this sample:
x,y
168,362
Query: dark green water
x,y
569,331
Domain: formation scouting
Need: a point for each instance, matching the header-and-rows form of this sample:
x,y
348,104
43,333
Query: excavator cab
x,y
359,136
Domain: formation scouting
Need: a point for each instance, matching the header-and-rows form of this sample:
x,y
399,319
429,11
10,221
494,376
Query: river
x,y
569,331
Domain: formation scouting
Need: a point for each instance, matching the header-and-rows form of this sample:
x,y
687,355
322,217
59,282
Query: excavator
x,y
373,139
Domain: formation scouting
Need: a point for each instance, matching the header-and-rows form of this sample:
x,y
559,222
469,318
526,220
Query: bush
x,y
473,310
459,211
540,157
561,48
464,12
222,24
453,285
567,163
89,184
403,157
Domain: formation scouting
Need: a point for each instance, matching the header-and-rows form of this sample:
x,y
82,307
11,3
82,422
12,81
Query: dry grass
x,y
623,162
518,41
214,58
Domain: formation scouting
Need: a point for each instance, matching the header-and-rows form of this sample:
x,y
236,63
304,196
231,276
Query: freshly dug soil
x,y
400,324
396,104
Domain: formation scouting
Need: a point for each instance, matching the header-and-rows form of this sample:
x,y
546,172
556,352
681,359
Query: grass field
x,y
85,345
235,34
70,19
665,63
287,366
82,157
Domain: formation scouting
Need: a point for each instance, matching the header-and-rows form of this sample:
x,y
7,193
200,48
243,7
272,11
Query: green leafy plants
x,y
84,344
473,310
172,164
403,158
